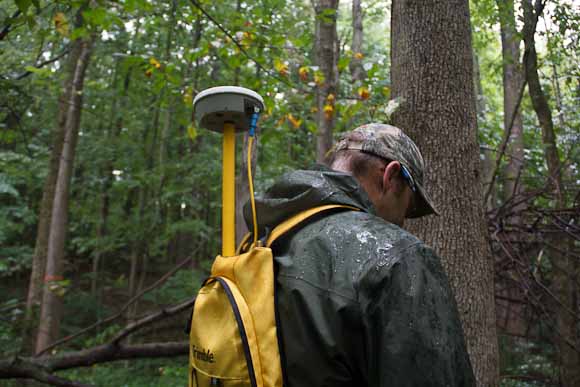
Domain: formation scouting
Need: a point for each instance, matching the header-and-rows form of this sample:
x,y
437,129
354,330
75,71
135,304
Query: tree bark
x,y
326,58
432,75
242,186
512,81
564,266
356,68
35,285
51,299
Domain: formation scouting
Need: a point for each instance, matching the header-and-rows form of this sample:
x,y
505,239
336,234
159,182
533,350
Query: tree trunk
x,y
35,285
356,68
564,266
52,296
326,57
242,186
512,81
488,159
432,75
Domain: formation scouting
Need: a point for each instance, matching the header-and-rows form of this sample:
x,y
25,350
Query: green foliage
x,y
140,373
146,183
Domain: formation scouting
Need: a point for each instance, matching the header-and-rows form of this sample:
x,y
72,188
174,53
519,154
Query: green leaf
x,y
343,63
328,15
7,188
23,5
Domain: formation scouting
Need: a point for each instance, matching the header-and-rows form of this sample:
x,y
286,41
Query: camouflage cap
x,y
389,142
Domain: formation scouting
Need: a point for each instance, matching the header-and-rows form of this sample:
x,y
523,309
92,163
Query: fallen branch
x,y
41,367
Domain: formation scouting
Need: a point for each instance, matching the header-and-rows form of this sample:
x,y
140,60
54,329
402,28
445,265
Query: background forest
x,y
110,196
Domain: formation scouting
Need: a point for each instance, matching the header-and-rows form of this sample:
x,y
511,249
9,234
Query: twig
x,y
505,142
42,64
133,327
6,28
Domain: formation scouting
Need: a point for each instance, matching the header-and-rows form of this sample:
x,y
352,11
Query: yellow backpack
x,y
233,339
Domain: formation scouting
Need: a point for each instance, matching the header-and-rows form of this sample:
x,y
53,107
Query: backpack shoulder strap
x,y
295,220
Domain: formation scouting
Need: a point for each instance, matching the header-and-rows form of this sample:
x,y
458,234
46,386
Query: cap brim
x,y
424,206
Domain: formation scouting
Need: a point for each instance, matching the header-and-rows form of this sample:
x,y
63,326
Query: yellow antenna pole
x,y
229,191
227,109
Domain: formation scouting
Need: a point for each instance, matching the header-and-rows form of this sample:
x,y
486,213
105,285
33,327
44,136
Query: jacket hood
x,y
299,190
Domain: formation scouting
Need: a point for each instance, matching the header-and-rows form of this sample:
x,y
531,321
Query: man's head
x,y
389,167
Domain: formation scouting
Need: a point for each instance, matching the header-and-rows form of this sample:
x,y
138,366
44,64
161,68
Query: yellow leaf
x,y
60,23
155,63
188,96
281,67
318,78
363,93
328,112
294,121
192,132
330,98
303,73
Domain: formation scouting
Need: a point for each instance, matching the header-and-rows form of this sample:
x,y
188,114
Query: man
x,y
360,301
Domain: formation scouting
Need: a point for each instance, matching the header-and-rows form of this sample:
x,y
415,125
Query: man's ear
x,y
391,177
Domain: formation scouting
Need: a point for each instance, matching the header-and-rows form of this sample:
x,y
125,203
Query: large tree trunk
x,y
564,266
432,74
512,82
50,314
326,57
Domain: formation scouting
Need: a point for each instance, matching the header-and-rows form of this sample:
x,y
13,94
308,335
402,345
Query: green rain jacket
x,y
360,301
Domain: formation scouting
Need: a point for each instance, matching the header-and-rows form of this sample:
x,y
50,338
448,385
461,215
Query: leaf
x,y
34,70
303,73
155,63
188,96
328,15
294,121
343,63
363,93
23,5
281,67
6,188
61,24
192,132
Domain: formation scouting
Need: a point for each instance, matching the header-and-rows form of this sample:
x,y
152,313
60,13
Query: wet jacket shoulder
x,y
360,301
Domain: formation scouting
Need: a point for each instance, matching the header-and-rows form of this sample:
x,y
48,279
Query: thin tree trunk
x,y
242,187
51,298
326,57
487,162
512,81
432,75
564,266
356,68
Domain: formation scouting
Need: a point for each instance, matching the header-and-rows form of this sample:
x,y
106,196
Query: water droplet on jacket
x,y
384,258
364,236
